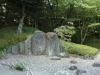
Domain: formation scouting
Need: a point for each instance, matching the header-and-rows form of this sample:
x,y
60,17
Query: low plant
x,y
20,66
78,49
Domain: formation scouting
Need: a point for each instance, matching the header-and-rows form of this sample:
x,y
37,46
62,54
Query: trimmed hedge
x,y
78,49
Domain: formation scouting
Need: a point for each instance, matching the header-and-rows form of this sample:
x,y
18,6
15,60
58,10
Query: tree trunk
x,y
84,37
21,22
36,21
6,14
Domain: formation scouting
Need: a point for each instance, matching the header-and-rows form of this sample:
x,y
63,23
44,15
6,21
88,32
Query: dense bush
x,y
78,49
65,32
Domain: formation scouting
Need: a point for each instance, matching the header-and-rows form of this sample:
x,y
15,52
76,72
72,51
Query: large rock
x,y
22,48
28,45
52,46
9,51
15,50
38,43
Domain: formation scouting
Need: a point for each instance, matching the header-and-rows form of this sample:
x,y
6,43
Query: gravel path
x,y
43,65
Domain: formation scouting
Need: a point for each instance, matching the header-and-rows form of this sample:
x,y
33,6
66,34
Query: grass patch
x,y
8,36
78,49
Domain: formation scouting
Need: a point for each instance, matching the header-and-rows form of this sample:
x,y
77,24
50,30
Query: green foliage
x,y
8,37
93,25
20,66
65,32
78,49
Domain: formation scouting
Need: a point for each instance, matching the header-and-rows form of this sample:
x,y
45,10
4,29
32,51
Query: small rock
x,y
79,72
55,58
63,55
73,62
72,68
96,64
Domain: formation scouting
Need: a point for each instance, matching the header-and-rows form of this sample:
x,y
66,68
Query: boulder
x,y
9,50
28,45
52,46
38,43
22,48
15,50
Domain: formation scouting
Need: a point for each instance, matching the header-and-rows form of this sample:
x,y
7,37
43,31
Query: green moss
x,y
78,49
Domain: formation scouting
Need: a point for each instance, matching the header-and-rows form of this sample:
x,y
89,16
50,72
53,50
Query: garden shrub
x,y
20,66
78,49
65,32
